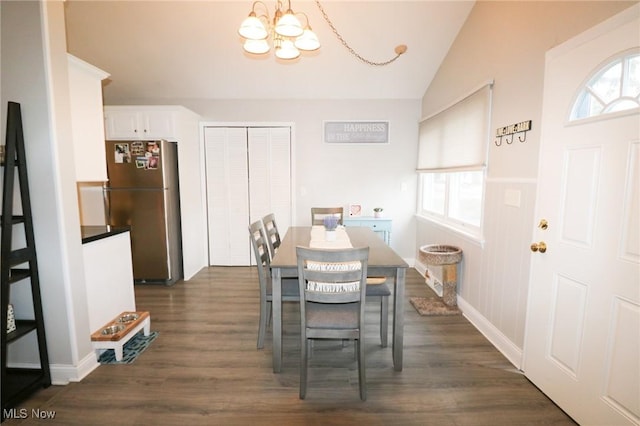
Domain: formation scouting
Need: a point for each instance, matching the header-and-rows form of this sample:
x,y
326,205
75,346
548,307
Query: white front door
x,y
583,317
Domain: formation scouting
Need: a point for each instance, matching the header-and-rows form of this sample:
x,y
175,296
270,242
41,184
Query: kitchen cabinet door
x,y
122,123
158,124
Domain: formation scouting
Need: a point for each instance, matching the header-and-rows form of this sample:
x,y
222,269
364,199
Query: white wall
x,y
505,41
330,174
34,73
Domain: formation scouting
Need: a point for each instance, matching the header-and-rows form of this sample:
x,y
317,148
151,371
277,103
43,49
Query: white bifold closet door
x,y
248,173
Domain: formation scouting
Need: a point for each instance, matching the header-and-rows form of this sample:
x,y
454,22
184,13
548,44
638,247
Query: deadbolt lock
x,y
543,224
541,247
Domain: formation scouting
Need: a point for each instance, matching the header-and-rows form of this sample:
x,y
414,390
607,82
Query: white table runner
x,y
342,241
319,239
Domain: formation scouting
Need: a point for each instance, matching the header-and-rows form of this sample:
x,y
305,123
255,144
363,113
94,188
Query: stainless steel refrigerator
x,y
143,193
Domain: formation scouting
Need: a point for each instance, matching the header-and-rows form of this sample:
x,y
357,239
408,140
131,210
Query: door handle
x,y
541,247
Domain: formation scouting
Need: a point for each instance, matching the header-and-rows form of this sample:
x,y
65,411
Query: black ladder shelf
x,y
17,266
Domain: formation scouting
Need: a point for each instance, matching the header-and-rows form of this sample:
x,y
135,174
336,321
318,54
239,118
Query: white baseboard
x,y
512,352
495,336
410,261
63,374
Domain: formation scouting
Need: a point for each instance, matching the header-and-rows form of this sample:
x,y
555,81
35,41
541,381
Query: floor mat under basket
x,y
428,306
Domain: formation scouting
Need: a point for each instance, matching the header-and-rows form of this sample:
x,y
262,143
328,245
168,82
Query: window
x,y
615,87
451,162
465,197
454,198
434,192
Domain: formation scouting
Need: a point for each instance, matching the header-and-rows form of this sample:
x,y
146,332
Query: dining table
x,y
383,262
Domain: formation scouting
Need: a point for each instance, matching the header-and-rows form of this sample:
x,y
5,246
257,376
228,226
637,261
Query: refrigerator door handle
x,y
107,204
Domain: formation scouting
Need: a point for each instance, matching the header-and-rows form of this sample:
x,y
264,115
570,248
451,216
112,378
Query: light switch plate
x,y
512,197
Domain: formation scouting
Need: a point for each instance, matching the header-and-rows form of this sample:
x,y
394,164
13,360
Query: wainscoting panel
x,y
494,273
508,230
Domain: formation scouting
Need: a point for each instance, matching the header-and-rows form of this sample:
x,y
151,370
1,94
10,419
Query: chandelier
x,y
288,35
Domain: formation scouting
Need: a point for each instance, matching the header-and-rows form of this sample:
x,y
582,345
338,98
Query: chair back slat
x,y
333,276
318,297
318,214
261,253
272,233
325,267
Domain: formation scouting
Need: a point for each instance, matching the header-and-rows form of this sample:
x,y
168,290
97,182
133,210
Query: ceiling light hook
x,y
399,50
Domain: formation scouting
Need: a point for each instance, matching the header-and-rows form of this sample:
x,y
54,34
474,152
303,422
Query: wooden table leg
x,y
276,308
398,318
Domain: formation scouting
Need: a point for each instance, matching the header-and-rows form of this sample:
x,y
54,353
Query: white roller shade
x,y
457,137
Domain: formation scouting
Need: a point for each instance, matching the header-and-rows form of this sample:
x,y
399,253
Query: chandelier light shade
x,y
252,28
287,50
288,35
308,40
288,25
257,47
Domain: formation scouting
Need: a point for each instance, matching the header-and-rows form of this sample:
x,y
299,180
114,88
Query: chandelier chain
x,y
349,48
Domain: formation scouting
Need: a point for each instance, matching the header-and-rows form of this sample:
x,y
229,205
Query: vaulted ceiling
x,y
191,49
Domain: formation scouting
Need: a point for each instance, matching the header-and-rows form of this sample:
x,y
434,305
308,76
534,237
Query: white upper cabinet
x,y
87,125
127,123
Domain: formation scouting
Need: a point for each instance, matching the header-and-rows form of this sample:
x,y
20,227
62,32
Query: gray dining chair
x,y
318,214
272,233
332,285
377,286
290,290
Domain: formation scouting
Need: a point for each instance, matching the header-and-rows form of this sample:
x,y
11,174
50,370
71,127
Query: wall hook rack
x,y
507,133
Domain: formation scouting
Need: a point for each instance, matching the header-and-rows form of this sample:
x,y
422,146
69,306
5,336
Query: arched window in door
x,y
614,87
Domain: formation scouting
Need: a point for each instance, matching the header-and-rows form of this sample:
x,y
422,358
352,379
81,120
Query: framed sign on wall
x,y
355,210
356,132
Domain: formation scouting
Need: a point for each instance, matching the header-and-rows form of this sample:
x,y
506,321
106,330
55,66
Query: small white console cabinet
x,y
379,225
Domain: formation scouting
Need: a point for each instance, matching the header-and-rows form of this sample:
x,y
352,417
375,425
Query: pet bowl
x,y
127,318
112,329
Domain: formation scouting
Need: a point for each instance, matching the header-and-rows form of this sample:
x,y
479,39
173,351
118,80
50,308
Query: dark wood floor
x,y
204,368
